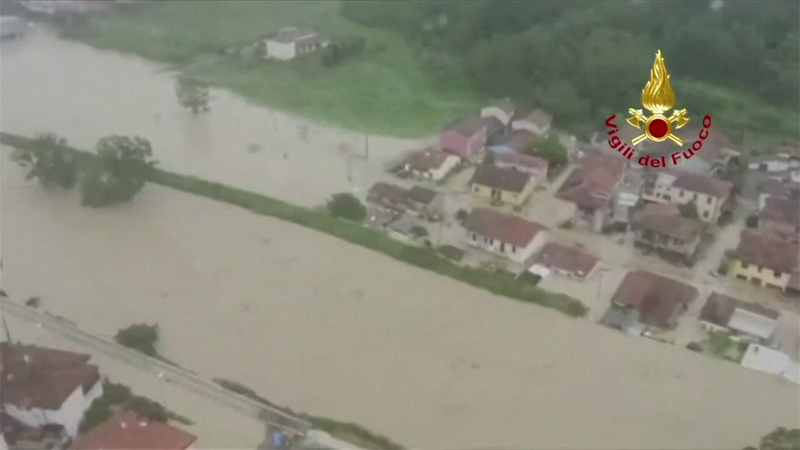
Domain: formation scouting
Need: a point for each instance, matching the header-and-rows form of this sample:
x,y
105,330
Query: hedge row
x,y
342,229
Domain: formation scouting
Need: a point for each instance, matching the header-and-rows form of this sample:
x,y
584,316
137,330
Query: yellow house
x,y
501,185
764,259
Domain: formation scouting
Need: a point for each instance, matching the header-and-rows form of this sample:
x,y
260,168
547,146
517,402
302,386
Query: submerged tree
x,y
119,172
347,206
192,94
780,439
49,164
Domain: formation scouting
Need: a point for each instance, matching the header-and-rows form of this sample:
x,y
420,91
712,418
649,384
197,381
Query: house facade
x,y
466,139
505,235
499,185
712,196
431,164
290,43
43,386
764,259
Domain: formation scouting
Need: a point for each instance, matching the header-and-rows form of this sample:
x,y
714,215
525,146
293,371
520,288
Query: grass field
x,y
385,90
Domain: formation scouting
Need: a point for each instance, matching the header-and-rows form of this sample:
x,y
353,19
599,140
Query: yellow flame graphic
x,y
657,95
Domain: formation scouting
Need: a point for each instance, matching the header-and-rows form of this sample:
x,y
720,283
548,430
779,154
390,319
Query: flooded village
x,y
669,345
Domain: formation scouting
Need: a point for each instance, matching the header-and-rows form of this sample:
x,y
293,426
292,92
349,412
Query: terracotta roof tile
x,y
765,249
592,184
781,210
427,159
719,309
503,227
130,431
497,177
702,183
654,296
569,259
521,159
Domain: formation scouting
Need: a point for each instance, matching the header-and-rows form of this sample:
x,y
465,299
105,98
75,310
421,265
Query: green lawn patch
x,y
342,229
386,90
719,345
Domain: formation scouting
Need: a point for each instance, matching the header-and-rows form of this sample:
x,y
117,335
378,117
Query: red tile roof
x,y
776,188
37,377
521,159
781,210
500,178
591,184
662,219
703,184
765,249
720,308
569,259
427,159
503,227
654,296
130,431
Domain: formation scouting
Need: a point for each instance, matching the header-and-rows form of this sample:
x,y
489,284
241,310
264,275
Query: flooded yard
x,y
83,94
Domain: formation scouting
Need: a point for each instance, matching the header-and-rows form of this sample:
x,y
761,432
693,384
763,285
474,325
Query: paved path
x,y
222,418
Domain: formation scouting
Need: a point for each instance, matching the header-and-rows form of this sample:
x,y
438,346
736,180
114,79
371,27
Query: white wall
x,y
493,111
94,393
516,254
771,166
279,50
528,126
69,415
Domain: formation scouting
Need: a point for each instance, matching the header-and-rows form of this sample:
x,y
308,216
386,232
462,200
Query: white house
x,y
43,386
430,163
777,163
290,43
537,122
775,362
502,110
505,235
673,186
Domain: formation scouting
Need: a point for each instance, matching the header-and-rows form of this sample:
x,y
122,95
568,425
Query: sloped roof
x,y
592,183
428,158
294,35
506,228
776,188
522,159
422,195
719,309
781,210
539,117
38,377
509,180
654,296
765,249
654,218
703,184
569,259
505,105
129,430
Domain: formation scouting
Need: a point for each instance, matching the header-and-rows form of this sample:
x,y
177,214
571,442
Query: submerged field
x,y
384,90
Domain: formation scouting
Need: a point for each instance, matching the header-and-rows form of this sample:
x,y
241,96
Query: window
x,y
777,274
705,214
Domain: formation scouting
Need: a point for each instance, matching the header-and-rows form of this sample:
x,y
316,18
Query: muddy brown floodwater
x,y
318,324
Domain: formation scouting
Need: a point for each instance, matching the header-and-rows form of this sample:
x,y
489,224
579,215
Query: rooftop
x,y
654,218
522,159
539,117
655,297
422,195
497,177
38,377
765,249
570,259
776,188
128,431
781,210
739,315
469,127
505,105
427,159
592,183
288,35
703,184
506,228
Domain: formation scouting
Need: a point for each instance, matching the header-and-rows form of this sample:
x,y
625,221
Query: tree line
x,y
583,60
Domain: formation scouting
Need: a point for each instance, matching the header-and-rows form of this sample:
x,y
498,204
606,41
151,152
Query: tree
x,y
689,210
49,164
347,206
419,231
551,149
192,94
99,411
116,394
119,172
780,439
141,337
147,408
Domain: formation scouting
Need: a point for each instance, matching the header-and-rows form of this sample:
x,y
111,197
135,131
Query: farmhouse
x,y
506,235
430,163
291,42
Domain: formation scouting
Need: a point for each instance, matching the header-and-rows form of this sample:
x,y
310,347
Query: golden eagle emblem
x,y
658,98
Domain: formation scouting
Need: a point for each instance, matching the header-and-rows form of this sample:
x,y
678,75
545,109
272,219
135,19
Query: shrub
x,y
347,206
419,231
148,408
99,411
116,394
461,215
141,337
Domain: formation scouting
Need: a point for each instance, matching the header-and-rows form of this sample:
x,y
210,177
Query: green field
x,y
384,90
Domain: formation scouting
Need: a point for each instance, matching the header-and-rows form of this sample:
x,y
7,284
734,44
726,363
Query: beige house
x,y
501,185
661,227
506,235
430,163
712,196
764,259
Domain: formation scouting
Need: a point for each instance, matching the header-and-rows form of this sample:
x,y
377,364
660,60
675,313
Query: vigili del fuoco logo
x,y
658,98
